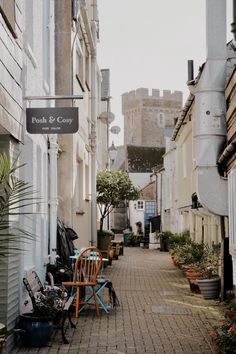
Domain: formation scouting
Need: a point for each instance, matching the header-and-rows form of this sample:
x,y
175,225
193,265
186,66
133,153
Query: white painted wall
x,y
38,79
135,215
140,180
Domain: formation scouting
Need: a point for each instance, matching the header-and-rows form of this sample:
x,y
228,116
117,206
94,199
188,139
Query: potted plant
x,y
4,334
210,283
164,238
60,272
140,235
223,337
230,310
16,194
37,326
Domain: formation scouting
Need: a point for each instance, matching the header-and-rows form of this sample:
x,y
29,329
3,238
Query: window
x,y
87,184
161,119
46,45
7,9
29,33
80,57
78,185
87,69
184,160
140,204
80,68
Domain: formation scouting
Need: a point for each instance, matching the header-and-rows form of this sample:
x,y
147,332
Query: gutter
x,y
227,153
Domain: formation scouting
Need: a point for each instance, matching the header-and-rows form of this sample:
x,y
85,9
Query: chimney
x,y
190,73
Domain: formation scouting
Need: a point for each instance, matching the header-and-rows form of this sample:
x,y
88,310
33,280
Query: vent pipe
x,y
190,72
209,112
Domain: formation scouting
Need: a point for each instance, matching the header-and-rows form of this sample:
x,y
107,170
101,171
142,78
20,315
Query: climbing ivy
x,y
143,158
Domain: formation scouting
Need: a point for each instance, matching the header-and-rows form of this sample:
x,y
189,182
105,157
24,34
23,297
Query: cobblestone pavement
x,y
157,313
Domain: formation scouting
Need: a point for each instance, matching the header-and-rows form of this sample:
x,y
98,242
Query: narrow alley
x,y
157,312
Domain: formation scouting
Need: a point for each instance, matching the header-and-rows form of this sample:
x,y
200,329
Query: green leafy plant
x,y
179,239
209,264
15,195
113,187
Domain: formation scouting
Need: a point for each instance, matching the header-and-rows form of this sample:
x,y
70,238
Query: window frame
x,y
140,205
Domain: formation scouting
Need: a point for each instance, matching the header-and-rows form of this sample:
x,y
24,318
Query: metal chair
x,y
87,267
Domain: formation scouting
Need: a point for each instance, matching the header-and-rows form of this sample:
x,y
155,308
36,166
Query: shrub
x,y
179,239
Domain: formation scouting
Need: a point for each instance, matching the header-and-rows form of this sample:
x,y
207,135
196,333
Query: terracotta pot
x,y
192,274
173,257
230,314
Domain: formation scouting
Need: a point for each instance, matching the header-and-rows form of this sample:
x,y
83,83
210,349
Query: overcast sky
x,y
148,43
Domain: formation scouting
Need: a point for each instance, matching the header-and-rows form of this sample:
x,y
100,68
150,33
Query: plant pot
x,y
174,260
192,274
36,332
231,314
210,288
164,244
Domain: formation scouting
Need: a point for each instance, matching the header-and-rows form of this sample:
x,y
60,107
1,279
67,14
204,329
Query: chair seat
x,y
71,283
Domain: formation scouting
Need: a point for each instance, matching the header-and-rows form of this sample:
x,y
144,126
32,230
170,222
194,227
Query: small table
x,y
101,284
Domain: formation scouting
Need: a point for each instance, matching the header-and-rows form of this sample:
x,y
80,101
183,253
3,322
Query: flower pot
x,y
192,274
36,332
164,244
210,288
174,260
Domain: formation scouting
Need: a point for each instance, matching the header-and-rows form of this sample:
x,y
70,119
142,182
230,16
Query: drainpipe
x,y
53,153
93,135
53,201
209,128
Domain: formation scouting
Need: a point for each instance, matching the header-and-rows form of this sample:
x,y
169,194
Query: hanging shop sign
x,y
52,120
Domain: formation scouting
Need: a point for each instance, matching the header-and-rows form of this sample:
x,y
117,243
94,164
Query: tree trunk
x,y
101,223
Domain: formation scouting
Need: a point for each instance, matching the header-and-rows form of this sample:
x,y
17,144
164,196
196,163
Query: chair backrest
x,y
88,265
33,285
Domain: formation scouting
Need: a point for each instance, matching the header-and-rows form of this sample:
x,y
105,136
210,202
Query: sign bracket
x,y
56,97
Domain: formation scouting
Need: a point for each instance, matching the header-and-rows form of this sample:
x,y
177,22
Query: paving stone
x,y
157,313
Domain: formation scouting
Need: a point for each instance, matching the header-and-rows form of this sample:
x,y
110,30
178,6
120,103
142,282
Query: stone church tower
x,y
147,116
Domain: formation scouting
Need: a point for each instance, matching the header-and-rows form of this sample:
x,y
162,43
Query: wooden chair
x,y
87,267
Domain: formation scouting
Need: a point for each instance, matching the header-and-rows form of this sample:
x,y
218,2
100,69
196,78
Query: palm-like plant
x,y
15,194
